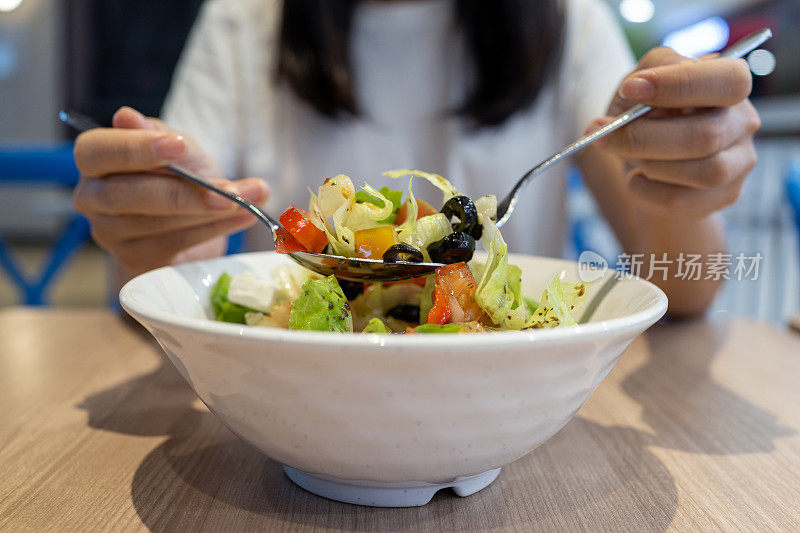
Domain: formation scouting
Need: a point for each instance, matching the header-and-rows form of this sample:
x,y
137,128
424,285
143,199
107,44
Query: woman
x,y
476,91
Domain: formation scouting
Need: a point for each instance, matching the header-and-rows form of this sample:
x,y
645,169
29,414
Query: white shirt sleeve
x,y
597,58
206,95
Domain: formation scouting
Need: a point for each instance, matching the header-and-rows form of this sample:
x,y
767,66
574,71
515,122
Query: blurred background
x,y
95,56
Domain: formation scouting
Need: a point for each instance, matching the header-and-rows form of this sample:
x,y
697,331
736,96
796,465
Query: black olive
x,y
455,248
403,252
351,289
477,233
462,208
408,313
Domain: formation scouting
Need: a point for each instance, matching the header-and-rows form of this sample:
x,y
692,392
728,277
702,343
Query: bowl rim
x,y
640,320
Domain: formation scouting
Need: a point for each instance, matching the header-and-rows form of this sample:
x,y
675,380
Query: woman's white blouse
x,y
410,70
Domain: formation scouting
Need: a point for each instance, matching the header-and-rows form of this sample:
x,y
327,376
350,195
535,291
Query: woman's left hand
x,y
691,155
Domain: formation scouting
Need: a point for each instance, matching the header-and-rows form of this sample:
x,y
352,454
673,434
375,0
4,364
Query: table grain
x,y
697,428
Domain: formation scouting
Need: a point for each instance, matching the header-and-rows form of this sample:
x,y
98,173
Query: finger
x,y
713,83
712,172
130,119
674,200
194,158
111,230
661,56
138,255
146,194
158,124
104,151
660,112
686,137
254,189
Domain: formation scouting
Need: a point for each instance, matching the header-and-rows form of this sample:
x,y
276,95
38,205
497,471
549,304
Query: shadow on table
x,y
203,476
190,482
685,407
146,406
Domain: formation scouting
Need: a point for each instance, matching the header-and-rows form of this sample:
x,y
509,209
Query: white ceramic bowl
x,y
387,420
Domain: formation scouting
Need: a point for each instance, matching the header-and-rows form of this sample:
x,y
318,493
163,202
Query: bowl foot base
x,y
375,494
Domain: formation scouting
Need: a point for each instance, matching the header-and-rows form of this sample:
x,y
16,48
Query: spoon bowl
x,y
364,270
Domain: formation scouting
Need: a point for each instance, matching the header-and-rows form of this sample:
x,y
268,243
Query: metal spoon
x,y
349,268
374,270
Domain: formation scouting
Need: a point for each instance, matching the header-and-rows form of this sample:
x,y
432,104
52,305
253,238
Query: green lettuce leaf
x,y
359,217
321,306
395,197
425,299
224,310
336,212
376,325
558,301
427,230
436,180
499,291
412,209
386,207
514,281
340,240
531,304
438,328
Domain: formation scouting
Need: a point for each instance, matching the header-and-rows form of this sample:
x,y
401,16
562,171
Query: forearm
x,y
666,244
660,179
645,236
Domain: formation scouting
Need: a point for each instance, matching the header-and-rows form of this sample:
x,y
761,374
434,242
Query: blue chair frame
x,y
52,165
236,243
793,192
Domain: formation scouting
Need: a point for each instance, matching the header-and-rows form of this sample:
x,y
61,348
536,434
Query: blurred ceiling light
x,y
637,10
9,5
701,38
762,62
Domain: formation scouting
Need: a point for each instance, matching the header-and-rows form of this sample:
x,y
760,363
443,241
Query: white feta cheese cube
x,y
248,290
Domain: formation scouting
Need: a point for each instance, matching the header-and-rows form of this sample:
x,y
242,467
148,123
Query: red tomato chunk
x,y
299,224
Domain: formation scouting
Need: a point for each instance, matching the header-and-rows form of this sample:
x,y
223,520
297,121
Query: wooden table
x,y
697,428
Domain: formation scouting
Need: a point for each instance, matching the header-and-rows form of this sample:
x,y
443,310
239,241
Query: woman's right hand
x,y
144,217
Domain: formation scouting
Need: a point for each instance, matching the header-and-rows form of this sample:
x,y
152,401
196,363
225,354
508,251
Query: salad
x,y
460,297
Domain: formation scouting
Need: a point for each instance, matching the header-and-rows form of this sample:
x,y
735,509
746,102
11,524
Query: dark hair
x,y
515,45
